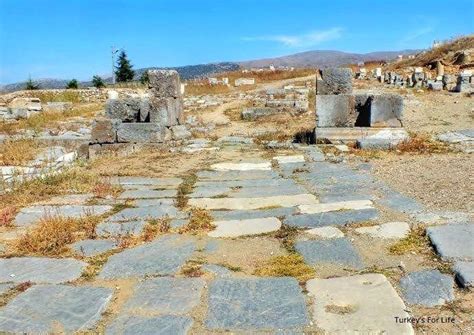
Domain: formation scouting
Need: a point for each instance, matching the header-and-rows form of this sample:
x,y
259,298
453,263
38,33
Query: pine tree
x,y
72,84
98,82
144,79
124,70
30,84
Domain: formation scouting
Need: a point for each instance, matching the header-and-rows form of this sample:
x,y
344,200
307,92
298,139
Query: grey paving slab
x,y
163,256
443,217
90,248
147,194
159,325
144,213
400,203
464,273
453,241
338,251
427,288
156,182
336,218
45,308
236,175
166,295
256,304
30,215
178,223
217,270
153,202
253,214
276,182
5,287
40,270
106,229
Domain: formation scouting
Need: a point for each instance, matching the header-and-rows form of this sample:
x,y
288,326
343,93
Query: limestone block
x,y
164,83
127,110
140,132
335,81
386,110
166,111
334,110
104,131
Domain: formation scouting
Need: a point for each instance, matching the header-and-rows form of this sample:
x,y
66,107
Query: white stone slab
x,y
241,166
254,203
289,159
335,206
326,232
387,230
363,304
234,228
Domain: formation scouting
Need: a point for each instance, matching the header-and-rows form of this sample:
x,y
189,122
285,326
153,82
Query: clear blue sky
x,y
72,38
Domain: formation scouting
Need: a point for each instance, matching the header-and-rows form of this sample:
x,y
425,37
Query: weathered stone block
x,y
166,111
127,110
140,132
104,131
180,132
334,110
435,86
335,81
386,110
164,83
32,104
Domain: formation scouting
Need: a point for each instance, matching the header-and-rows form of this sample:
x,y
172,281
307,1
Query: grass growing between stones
x,y
184,189
421,144
18,152
192,268
13,292
200,221
155,228
287,235
292,265
415,242
95,264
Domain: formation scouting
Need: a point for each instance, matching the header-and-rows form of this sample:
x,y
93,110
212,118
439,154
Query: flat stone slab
x,y
46,308
289,159
242,166
400,202
453,241
217,270
234,228
464,273
395,230
4,288
155,182
163,256
362,304
235,175
338,251
147,194
336,206
114,229
88,248
246,192
144,213
427,288
40,270
254,203
153,202
252,214
166,296
338,218
325,232
159,325
256,304
30,215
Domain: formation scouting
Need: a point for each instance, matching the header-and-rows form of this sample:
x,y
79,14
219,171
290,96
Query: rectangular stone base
x,y
353,134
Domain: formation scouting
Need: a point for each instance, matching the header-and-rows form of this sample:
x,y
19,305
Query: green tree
x,y
144,79
98,82
72,84
124,71
31,85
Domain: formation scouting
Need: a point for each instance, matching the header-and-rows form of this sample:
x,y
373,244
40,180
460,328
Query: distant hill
x,y
325,58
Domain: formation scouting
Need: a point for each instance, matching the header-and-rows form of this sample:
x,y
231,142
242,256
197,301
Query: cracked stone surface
x,y
427,288
159,325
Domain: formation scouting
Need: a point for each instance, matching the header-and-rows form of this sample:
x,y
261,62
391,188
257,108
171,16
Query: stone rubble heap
x,y
20,108
374,120
150,118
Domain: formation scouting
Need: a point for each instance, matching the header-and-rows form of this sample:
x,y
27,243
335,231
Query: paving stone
x,y
337,251
339,218
252,214
90,248
235,175
153,202
275,182
159,325
453,241
335,206
325,232
314,153
289,159
147,194
427,288
464,273
30,215
232,140
234,228
45,308
166,295
155,182
400,203
256,304
5,287
40,270
163,256
217,270
387,230
68,199
178,223
242,166
113,229
144,213
443,217
246,192
212,246
253,203
362,304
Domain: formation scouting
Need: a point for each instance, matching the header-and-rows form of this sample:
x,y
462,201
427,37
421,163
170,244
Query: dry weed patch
x,y
184,189
416,242
155,228
292,265
18,152
200,221
7,215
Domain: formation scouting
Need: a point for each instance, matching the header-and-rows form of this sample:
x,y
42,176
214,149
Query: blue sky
x,y
72,38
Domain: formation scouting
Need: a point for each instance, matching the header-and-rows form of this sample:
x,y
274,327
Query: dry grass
x,y
272,136
267,76
415,242
10,294
287,235
292,265
52,96
192,268
421,144
200,221
18,152
7,215
155,228
105,188
52,234
204,88
95,264
184,189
